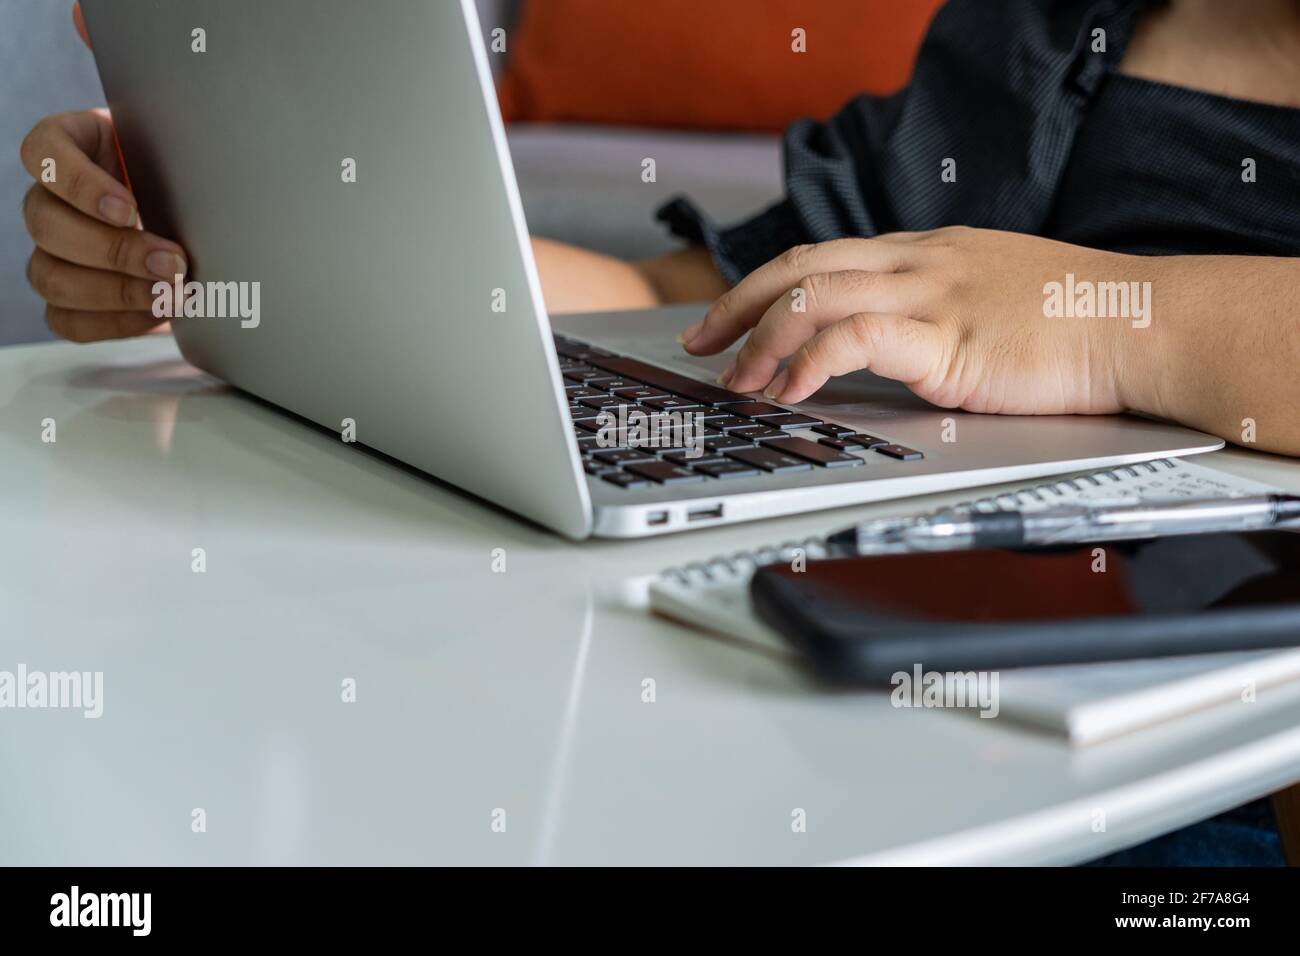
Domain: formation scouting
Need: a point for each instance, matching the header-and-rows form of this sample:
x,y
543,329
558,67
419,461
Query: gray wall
x,y
44,68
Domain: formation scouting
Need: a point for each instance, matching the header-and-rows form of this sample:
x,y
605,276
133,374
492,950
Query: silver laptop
x,y
349,159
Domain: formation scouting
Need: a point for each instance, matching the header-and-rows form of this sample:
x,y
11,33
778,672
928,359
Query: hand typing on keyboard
x,y
742,438
958,315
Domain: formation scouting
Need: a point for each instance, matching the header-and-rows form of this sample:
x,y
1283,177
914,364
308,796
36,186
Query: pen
x,y
952,529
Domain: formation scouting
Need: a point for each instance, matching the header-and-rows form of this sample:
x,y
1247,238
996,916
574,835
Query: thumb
x,y
80,21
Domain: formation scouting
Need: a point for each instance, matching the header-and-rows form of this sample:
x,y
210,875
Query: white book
x,y
1085,703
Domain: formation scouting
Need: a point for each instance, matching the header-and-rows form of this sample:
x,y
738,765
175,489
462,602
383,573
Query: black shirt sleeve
x,y
739,249
980,137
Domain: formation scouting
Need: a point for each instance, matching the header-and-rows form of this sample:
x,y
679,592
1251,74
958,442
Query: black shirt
x,y
1039,134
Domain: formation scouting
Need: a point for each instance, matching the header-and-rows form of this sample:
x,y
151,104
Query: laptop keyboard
x,y
742,437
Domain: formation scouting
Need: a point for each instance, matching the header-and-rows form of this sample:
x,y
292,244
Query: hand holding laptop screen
x,y
976,319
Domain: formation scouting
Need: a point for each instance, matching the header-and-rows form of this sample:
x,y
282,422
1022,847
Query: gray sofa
x,y
579,184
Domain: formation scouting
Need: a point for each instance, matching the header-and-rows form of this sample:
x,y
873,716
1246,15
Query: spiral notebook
x,y
1084,702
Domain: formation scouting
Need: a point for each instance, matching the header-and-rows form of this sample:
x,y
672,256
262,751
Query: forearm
x,y
1222,352
579,280
687,275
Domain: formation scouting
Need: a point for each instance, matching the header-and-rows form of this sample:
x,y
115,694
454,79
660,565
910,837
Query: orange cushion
x,y
717,64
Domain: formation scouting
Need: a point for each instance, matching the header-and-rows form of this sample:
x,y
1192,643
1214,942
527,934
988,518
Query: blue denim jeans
x,y
1246,836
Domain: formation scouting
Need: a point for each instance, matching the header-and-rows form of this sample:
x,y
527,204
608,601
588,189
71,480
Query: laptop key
x,y
769,459
585,373
674,383
713,395
596,468
687,458
846,444
726,469
833,431
729,423
757,432
867,441
755,409
639,393
673,404
624,480
623,456
720,443
681,447
665,473
791,420
613,439
901,452
706,412
616,438
577,351
602,401
588,443
815,453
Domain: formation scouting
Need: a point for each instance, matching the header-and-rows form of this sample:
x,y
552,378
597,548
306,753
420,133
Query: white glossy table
x,y
475,690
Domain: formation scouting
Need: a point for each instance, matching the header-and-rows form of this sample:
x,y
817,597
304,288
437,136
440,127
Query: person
x,y
1143,145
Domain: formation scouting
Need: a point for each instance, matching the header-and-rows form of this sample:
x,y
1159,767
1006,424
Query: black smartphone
x,y
865,619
